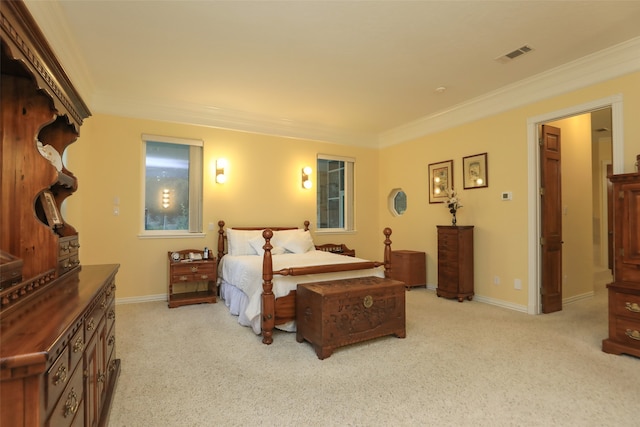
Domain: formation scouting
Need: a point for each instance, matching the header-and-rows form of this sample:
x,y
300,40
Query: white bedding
x,y
244,272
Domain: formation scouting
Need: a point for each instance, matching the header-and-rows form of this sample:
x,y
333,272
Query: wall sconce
x,y
221,166
166,198
306,177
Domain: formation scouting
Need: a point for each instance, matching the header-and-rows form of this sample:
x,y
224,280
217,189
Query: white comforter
x,y
245,273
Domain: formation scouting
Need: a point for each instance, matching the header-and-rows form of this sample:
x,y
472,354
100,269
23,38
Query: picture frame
x,y
54,219
440,180
474,171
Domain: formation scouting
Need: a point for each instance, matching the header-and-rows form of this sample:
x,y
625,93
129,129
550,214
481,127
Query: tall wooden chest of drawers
x,y
455,262
624,292
409,267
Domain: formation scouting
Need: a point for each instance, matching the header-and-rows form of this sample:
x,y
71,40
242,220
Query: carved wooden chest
x,y
335,313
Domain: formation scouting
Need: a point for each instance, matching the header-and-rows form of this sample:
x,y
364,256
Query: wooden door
x,y
551,219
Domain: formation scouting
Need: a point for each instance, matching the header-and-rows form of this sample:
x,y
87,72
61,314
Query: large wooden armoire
x,y
58,364
624,292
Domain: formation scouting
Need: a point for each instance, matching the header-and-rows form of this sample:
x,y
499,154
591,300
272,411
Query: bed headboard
x,y
222,237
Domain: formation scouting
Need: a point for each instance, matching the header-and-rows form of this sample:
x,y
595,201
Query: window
x,y
172,185
335,193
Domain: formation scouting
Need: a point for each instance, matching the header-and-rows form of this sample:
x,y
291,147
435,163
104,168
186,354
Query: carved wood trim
x,y
29,45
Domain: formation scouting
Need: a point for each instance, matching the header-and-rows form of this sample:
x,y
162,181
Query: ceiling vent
x,y
514,54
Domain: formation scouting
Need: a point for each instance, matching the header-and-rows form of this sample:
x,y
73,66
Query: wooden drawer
x,y
191,272
69,410
76,348
627,305
627,332
93,319
57,377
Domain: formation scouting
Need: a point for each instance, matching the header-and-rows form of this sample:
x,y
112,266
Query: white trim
x,y
580,297
533,154
172,140
338,158
146,298
500,303
586,71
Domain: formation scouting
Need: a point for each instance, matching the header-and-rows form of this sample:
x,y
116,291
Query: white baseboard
x,y
146,298
492,301
578,298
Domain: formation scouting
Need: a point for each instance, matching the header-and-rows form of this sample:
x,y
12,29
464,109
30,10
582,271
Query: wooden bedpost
x,y
268,299
387,252
306,225
220,239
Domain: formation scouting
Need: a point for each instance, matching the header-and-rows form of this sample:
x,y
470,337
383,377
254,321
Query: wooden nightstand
x,y
195,273
409,267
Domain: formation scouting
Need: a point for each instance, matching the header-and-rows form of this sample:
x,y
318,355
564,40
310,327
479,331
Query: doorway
x,y
534,220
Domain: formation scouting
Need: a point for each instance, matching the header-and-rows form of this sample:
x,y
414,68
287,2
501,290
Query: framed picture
x,y
474,171
440,180
54,219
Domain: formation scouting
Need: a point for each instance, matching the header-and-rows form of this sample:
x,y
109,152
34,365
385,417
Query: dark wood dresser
x,y
409,267
57,352
455,262
624,292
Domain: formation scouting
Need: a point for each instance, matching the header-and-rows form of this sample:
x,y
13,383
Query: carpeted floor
x,y
462,364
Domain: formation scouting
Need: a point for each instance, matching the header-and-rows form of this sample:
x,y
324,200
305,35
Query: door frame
x,y
533,178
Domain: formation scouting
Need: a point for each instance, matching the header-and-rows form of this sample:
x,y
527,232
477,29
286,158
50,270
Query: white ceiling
x,y
332,70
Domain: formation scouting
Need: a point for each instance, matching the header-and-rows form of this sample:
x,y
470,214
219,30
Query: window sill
x,y
336,232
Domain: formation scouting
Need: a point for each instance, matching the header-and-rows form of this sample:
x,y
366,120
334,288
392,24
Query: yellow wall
x,y
264,188
501,240
577,205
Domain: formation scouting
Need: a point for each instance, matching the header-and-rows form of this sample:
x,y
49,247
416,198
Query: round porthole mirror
x,y
397,201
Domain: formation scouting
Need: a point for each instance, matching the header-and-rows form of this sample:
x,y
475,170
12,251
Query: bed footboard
x,y
286,305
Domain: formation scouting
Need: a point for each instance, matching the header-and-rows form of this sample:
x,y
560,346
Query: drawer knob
x,y
204,276
91,325
72,403
632,307
112,340
194,269
183,278
78,346
111,315
60,376
633,334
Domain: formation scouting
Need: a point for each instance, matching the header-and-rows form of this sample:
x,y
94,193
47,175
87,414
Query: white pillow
x,y
296,241
238,241
257,244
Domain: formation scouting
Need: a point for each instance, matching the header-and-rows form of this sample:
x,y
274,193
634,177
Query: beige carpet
x,y
462,364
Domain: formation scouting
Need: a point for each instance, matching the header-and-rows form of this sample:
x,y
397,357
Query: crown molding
x,y
606,64
227,119
53,24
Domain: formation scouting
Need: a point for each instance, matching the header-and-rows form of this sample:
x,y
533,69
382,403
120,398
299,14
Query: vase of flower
x,y
453,204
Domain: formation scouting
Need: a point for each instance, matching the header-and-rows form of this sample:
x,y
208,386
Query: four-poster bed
x,y
260,267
